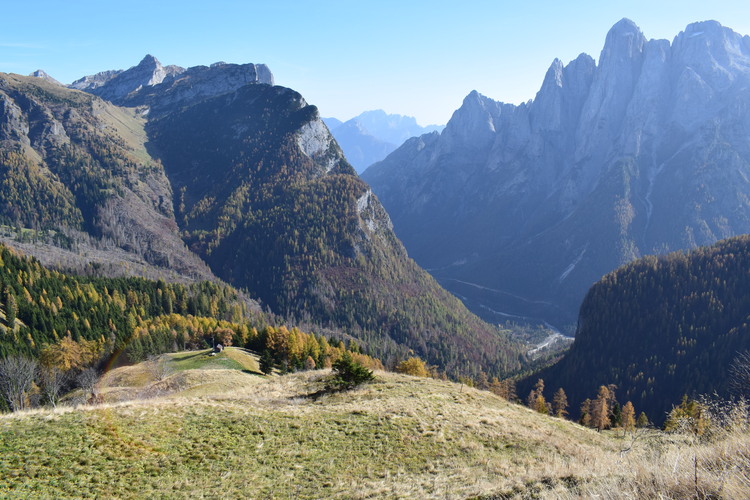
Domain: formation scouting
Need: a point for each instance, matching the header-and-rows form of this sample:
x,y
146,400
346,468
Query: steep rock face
x,y
116,86
76,169
518,209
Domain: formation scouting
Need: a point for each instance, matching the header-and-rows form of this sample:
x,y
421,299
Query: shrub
x,y
413,366
348,373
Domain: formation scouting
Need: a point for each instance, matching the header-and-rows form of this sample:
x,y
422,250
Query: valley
x,y
209,290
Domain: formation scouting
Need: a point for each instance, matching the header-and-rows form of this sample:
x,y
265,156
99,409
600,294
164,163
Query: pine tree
x,y
483,382
642,420
266,362
413,366
615,416
689,416
560,403
348,373
11,309
309,363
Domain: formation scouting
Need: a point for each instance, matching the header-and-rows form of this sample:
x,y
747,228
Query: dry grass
x,y
220,433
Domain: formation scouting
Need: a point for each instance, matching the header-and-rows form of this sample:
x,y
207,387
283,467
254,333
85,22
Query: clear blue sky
x,y
411,57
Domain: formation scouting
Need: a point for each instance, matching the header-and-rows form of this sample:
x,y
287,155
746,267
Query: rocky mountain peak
x,y
713,53
474,122
44,76
149,61
611,146
624,41
554,74
153,84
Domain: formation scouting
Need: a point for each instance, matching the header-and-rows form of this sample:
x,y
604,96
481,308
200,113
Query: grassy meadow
x,y
209,431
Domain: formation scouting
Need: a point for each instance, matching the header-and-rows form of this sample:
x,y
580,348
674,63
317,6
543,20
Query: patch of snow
x,y
697,33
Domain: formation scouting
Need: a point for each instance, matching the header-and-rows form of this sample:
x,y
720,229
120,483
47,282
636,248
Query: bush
x,y
413,366
349,373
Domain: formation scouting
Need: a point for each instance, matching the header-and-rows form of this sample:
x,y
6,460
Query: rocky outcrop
x,y
44,76
149,83
119,86
521,208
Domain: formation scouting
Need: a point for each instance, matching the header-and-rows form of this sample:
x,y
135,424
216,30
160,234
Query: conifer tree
x,y
413,366
628,417
586,413
536,400
348,373
600,410
11,309
560,403
309,363
266,362
642,420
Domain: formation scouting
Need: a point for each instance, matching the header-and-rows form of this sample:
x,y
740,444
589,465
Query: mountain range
x,y
372,135
519,209
214,173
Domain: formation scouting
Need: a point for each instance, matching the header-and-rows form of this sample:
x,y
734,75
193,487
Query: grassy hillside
x,y
399,437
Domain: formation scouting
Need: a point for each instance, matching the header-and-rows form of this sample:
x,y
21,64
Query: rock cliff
x,y
519,209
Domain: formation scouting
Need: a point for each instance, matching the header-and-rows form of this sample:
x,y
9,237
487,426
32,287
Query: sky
x,y
410,57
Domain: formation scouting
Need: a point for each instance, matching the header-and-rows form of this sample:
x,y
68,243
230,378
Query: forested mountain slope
x,y
249,176
266,197
76,180
659,328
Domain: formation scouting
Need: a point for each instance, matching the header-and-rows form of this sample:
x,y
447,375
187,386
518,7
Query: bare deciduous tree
x,y
52,380
159,367
739,375
87,380
16,376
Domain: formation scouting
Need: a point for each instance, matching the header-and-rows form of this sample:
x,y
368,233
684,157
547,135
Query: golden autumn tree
x,y
600,410
560,403
413,366
628,417
536,400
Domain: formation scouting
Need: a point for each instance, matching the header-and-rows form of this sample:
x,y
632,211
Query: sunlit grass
x,y
230,434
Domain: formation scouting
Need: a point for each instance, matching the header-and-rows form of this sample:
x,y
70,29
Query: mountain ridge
x,y
249,178
538,200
